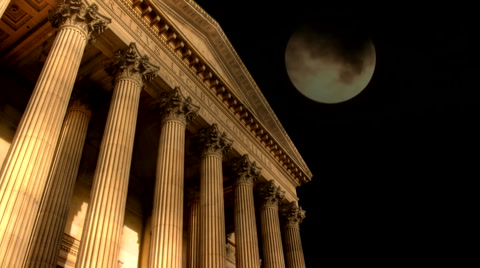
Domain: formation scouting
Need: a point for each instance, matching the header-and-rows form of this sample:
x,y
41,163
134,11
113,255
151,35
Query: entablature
x,y
190,57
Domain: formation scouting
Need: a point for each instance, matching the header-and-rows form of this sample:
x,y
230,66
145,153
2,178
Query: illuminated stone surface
x,y
129,180
24,174
246,239
167,221
43,252
271,236
293,216
100,241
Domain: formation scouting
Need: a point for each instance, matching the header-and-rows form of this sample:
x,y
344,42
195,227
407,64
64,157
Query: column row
x,y
273,216
39,171
26,168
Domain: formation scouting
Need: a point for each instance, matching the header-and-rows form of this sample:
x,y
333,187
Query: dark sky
x,y
375,158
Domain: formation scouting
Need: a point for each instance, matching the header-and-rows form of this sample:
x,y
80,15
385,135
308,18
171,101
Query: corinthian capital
x,y
81,14
129,64
244,171
173,105
79,100
292,214
270,193
214,142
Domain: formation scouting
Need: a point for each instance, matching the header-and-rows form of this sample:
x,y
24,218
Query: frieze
x,y
197,15
173,75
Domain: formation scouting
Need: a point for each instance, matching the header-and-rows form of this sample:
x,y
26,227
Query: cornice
x,y
288,158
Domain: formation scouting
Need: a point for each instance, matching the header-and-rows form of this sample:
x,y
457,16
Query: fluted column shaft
x,y
272,240
3,6
167,220
193,234
43,251
24,173
245,174
246,239
293,216
293,248
102,231
271,195
23,176
212,215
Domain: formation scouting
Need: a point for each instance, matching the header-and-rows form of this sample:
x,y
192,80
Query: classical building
x,y
131,135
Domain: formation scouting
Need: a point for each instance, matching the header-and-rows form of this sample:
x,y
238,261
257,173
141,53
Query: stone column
x,y
99,246
167,218
50,225
193,240
245,174
212,215
147,234
23,176
270,225
293,216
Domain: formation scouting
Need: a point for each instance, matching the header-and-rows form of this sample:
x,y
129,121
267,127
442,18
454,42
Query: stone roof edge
x,y
246,72
295,165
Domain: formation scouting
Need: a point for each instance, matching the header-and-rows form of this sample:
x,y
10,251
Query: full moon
x,y
329,64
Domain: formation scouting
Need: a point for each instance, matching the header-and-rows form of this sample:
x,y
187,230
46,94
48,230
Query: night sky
x,y
376,159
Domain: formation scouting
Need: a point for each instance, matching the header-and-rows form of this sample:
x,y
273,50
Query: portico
x,y
170,108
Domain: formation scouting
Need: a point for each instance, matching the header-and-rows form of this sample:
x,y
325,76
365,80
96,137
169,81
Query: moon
x,y
329,64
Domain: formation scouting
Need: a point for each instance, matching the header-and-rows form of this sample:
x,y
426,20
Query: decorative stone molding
x,y
188,55
245,171
81,14
270,193
292,214
129,64
214,142
79,101
15,17
173,105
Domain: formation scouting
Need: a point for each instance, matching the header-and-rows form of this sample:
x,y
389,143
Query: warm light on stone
x,y
100,243
167,220
139,175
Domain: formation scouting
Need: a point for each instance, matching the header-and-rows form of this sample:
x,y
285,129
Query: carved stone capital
x,y
79,102
270,193
81,14
214,142
244,171
293,215
173,105
129,64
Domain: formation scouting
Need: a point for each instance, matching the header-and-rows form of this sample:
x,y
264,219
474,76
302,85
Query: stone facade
x,y
131,135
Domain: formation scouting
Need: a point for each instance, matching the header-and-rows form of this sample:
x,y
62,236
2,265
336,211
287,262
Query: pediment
x,y
206,36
